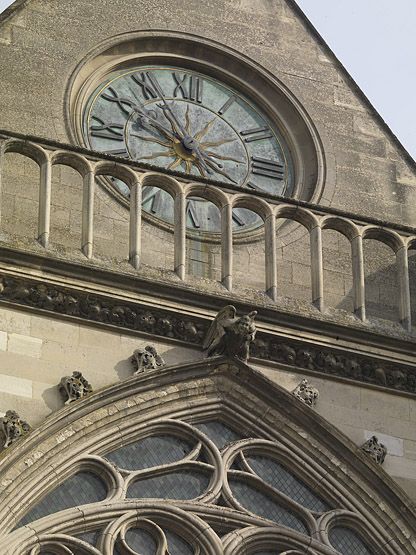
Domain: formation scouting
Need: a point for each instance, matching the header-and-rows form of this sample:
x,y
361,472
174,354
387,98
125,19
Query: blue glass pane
x,y
262,505
176,545
90,537
347,542
281,479
79,489
176,485
141,541
218,433
149,452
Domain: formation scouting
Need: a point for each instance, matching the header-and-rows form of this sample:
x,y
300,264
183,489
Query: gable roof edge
x,y
354,85
12,9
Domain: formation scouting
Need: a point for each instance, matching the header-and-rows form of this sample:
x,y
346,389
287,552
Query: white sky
x,y
376,42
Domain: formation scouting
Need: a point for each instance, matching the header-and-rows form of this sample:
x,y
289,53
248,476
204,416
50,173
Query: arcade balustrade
x,y
91,165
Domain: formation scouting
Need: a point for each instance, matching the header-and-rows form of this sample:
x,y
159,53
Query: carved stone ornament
x,y
146,358
74,387
306,393
230,335
13,427
167,323
375,449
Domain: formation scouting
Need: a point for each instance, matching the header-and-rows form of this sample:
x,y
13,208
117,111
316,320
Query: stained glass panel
x,y
149,452
176,485
281,479
347,541
262,505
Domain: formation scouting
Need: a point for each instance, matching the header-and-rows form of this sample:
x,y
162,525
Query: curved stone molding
x,y
376,450
74,387
306,393
13,427
146,358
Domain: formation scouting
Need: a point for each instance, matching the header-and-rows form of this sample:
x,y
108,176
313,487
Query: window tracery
x,y
195,489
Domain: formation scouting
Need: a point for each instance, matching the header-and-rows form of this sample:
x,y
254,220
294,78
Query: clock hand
x,y
187,141
146,121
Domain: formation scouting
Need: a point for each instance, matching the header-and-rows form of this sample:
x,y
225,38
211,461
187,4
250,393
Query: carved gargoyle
x,y
74,387
230,335
306,393
13,427
376,450
146,358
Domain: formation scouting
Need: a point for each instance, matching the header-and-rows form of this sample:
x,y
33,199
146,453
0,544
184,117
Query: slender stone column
x,y
270,256
402,262
45,188
317,272
2,156
135,229
87,237
358,276
180,234
227,246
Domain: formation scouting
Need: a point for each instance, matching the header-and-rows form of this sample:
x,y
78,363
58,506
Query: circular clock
x,y
183,120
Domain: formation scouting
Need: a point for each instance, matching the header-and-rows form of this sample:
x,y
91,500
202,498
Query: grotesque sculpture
x,y
13,427
146,358
229,335
74,387
376,450
306,393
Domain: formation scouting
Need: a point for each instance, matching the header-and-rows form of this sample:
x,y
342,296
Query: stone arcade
x,y
207,287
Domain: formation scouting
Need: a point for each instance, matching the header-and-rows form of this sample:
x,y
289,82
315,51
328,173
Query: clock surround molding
x,y
126,51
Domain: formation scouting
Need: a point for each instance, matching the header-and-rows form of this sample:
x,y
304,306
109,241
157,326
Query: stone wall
x,y
367,172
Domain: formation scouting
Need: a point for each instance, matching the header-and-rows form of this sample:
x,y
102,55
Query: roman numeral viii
x,y
267,168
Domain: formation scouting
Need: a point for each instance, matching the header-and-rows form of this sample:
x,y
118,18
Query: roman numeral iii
x,y
267,168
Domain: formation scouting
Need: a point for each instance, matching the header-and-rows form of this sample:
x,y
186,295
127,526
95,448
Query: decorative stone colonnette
x,y
269,208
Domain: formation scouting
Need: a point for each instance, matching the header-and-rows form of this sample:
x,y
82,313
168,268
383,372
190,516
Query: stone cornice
x,y
178,323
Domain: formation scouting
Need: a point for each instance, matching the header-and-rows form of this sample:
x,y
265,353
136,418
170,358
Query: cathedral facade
x,y
207,295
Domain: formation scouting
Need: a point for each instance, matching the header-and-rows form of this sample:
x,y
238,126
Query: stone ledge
x,y
109,311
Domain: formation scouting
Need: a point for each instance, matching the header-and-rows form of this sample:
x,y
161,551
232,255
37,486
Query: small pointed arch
x,y
206,404
203,210
210,193
386,236
73,160
255,264
298,214
256,205
26,148
301,261
161,199
348,228
119,171
342,268
71,198
24,180
165,182
386,275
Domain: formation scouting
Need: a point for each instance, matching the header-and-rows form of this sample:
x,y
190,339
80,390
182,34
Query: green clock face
x,y
191,123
